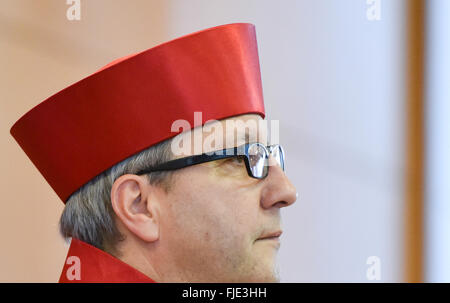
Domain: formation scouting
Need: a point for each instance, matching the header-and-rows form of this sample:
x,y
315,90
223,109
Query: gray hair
x,y
88,214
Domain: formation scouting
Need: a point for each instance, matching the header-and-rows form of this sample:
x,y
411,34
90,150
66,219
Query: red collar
x,y
88,264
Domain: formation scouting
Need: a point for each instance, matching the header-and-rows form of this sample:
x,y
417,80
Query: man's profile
x,y
136,210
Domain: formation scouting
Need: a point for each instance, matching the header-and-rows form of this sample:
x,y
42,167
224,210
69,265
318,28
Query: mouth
x,y
271,236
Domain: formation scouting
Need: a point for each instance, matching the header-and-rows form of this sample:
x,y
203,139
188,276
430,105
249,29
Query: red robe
x,y
88,264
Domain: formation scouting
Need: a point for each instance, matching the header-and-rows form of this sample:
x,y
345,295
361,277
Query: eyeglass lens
x,y
258,160
277,153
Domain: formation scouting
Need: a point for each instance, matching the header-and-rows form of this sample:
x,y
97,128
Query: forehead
x,y
238,130
226,133
245,126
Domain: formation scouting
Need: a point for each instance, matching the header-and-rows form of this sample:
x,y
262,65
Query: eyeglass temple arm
x,y
192,160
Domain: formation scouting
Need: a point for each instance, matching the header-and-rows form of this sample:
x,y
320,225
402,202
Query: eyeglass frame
x,y
239,151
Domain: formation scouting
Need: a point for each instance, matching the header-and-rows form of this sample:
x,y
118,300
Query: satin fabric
x,y
88,264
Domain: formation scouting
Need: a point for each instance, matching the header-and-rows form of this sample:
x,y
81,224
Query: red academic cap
x,y
130,104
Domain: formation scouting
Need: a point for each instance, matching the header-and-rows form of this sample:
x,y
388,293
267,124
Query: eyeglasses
x,y
255,155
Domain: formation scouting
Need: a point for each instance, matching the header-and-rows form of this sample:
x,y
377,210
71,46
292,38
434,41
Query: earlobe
x,y
135,205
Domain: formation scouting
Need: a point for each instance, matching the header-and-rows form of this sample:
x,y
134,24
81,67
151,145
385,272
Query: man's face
x,y
215,214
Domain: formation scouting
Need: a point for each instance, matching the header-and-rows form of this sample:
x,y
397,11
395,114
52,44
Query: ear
x,y
136,205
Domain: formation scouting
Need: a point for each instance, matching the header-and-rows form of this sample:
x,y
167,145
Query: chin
x,y
270,275
265,279
274,277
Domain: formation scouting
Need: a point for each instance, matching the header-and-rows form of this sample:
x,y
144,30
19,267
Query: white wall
x,y
437,253
335,80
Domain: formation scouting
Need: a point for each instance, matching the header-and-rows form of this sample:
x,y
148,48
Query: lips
x,y
271,236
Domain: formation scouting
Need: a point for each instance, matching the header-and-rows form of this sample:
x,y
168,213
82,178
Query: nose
x,y
278,190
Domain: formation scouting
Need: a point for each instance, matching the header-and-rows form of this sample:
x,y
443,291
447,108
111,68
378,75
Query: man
x,y
138,209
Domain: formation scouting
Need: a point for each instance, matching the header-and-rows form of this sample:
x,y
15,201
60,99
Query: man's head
x,y
93,140
207,224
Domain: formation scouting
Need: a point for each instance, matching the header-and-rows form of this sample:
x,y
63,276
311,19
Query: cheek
x,y
213,213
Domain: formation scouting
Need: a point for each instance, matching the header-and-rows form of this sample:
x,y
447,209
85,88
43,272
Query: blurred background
x,y
361,89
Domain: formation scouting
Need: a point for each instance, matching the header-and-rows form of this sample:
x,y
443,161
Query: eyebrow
x,y
246,137
243,137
